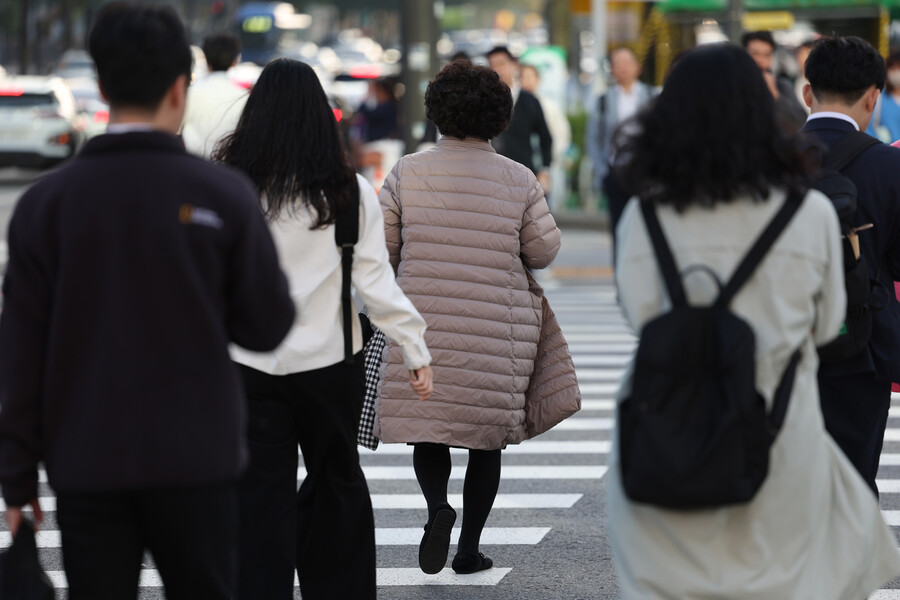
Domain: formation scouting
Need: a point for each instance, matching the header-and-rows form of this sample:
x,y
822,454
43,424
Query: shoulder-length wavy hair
x,y
287,141
711,135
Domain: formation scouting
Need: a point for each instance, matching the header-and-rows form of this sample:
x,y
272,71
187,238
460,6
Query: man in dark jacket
x,y
761,47
528,119
845,78
130,270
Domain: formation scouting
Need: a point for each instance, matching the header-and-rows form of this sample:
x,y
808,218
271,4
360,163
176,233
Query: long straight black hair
x,y
287,141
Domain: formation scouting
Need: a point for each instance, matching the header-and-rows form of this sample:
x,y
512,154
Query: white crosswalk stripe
x,y
385,577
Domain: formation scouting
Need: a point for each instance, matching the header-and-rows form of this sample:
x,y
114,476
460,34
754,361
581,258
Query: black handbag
x,y
21,575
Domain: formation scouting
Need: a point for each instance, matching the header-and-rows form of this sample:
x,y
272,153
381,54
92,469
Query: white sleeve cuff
x,y
416,355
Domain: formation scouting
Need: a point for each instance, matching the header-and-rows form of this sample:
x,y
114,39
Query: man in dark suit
x,y
845,78
130,270
528,119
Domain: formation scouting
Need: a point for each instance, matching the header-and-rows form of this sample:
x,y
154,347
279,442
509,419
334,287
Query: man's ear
x,y
103,92
177,94
871,97
808,95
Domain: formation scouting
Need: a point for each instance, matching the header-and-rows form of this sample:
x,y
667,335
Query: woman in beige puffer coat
x,y
462,225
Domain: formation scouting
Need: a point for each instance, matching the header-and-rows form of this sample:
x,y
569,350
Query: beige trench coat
x,y
814,531
462,224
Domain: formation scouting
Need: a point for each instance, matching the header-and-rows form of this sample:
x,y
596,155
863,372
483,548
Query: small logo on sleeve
x,y
189,214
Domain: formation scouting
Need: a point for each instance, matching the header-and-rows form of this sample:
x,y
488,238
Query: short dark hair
x,y
221,50
464,100
727,143
758,36
140,50
843,68
501,50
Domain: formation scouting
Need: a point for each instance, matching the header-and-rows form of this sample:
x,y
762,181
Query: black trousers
x,y
855,409
191,533
326,530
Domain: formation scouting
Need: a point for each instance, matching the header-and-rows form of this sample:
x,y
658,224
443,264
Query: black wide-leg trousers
x,y
326,530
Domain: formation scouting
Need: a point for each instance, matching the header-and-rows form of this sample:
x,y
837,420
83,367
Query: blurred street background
x,y
353,43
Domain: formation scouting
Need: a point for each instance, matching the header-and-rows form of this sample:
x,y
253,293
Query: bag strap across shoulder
x,y
845,150
346,234
760,248
664,257
671,274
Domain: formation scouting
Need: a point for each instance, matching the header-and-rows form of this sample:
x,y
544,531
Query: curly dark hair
x,y
711,136
464,100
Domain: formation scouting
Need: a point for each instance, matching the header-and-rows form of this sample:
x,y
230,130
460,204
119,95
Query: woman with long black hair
x,y
303,393
710,161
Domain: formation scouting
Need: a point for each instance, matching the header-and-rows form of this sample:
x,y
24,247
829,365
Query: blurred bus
x,y
270,29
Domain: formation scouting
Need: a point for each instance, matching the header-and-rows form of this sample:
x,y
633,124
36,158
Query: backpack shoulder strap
x,y
846,149
759,249
664,257
346,234
782,397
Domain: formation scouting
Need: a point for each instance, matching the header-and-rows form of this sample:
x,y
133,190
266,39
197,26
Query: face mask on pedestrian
x,y
894,78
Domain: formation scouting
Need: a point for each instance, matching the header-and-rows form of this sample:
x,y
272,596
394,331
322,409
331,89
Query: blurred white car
x,y
92,109
38,121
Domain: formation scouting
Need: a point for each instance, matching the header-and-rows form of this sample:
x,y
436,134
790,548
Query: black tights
x,y
432,465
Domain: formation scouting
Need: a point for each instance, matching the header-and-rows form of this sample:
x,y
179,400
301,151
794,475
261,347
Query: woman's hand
x,y
422,382
14,515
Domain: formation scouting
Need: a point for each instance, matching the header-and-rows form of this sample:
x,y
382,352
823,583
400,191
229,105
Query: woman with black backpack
x,y
723,482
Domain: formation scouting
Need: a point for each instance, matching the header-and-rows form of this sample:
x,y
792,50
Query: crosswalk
x,y
548,475
543,480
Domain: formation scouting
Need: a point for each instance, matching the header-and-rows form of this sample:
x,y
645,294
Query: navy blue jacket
x,y
130,270
876,174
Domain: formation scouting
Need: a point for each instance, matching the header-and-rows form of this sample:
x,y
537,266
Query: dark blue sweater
x,y
130,270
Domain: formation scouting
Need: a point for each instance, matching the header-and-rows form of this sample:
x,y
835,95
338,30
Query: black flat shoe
x,y
436,541
465,564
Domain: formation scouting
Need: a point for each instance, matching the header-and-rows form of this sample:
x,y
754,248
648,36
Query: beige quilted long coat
x,y
462,223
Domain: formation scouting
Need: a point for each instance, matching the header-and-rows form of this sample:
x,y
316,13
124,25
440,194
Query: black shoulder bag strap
x,y
775,418
664,256
760,248
346,234
846,149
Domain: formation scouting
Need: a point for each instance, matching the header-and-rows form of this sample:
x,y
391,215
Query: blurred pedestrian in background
x,y
560,132
801,53
379,116
619,104
761,47
527,120
712,161
375,135
304,392
130,269
846,76
215,102
462,225
885,123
